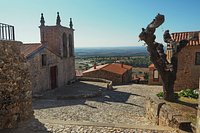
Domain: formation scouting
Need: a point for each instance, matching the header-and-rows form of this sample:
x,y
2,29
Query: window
x,y
197,58
155,75
64,39
44,59
71,46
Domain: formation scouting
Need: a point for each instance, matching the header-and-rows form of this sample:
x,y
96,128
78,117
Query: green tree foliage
x,y
146,76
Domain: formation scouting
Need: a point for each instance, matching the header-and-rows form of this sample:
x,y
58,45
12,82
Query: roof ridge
x,y
32,44
35,50
48,48
184,32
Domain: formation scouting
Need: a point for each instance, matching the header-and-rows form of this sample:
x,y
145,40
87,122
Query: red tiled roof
x,y
185,35
114,68
151,66
97,68
79,73
117,68
27,49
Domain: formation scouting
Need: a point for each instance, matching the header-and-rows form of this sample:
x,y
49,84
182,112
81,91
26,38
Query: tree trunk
x,y
168,86
167,70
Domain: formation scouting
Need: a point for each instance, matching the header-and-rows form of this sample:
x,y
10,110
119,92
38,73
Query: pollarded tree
x,y
167,69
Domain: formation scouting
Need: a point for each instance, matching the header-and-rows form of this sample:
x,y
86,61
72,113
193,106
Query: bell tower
x,y
58,38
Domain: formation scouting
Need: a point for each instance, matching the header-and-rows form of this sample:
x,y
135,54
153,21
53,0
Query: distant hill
x,y
111,51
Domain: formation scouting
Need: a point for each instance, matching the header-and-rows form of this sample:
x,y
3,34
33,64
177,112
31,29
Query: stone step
x,y
96,124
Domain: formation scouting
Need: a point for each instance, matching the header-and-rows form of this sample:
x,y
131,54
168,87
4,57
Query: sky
x,y
100,23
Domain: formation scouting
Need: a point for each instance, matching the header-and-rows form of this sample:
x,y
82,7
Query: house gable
x,y
30,50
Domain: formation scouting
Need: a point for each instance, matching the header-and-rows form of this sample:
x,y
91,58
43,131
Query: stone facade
x,y
116,78
41,75
198,114
188,69
57,47
188,72
152,80
58,39
15,94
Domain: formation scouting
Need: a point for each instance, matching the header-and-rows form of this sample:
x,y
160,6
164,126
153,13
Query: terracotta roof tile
x,y
117,68
27,49
114,68
185,35
97,68
151,66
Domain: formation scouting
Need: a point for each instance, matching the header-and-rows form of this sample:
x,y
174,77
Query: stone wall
x,y
163,114
187,73
109,82
151,81
15,90
198,113
40,75
127,76
115,78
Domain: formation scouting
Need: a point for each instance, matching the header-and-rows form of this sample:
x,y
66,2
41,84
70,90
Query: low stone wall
x,y
162,114
109,83
15,91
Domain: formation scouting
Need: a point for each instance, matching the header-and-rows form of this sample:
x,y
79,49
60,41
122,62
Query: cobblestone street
x,y
120,110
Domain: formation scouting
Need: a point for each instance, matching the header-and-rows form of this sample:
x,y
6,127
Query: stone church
x,y
52,62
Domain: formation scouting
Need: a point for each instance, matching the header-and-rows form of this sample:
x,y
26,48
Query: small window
x,y
155,75
44,59
194,36
64,39
71,46
197,58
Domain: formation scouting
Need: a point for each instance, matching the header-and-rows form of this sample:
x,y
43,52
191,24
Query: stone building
x,y
154,77
52,62
198,114
117,73
188,70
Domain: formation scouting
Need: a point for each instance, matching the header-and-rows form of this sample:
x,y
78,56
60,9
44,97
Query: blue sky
x,y
100,22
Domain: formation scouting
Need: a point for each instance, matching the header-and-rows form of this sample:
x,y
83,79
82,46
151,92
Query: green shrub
x,y
146,76
188,93
160,94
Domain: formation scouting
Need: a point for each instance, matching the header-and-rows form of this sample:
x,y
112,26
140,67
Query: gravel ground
x,y
123,105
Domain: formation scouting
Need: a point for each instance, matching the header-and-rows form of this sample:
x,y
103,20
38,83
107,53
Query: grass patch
x,y
160,94
189,100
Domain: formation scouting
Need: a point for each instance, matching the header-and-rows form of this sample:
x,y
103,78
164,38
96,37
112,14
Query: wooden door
x,y
53,77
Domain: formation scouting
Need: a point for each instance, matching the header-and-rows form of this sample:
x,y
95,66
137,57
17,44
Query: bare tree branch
x,y
167,70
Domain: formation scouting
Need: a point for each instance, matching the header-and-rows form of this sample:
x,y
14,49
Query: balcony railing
x,y
7,32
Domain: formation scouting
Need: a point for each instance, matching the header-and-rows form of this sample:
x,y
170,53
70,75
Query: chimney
x,y
122,64
95,65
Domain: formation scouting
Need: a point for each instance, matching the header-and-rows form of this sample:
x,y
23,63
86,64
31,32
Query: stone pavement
x,y
112,111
